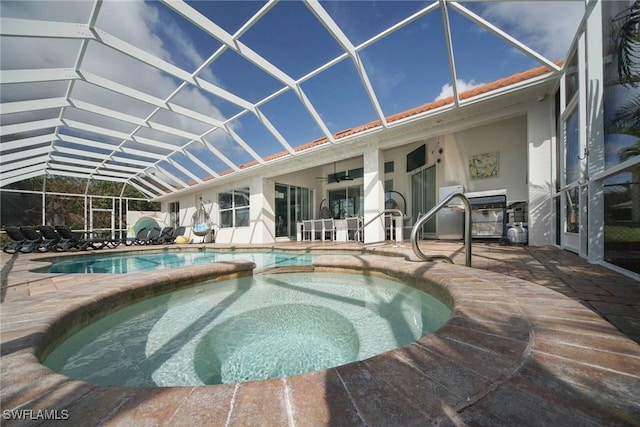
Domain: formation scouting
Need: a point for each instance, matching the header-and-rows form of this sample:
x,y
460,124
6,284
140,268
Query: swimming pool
x,y
126,263
250,328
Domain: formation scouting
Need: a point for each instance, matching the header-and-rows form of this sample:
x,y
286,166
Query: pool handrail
x,y
426,217
363,226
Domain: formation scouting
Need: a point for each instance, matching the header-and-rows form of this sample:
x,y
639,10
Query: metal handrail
x,y
356,235
426,217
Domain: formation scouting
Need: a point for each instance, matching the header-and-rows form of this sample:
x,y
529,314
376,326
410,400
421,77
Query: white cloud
x,y
134,22
62,11
547,27
139,24
462,86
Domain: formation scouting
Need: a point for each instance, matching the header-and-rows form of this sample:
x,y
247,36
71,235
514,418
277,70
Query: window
x,y
621,74
347,202
572,148
234,208
345,175
356,173
571,78
572,210
388,167
622,219
174,214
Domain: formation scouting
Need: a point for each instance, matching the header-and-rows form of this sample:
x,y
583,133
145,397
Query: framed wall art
x,y
482,166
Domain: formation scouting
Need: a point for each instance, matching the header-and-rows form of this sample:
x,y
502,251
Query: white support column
x,y
262,212
595,135
540,131
583,202
373,194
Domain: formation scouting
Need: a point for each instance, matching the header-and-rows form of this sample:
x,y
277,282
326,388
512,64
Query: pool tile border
x,y
511,351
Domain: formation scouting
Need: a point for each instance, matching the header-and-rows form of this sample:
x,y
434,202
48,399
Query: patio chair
x,y
34,239
69,241
153,236
50,238
105,240
307,229
328,229
178,231
127,241
142,236
165,235
156,236
17,240
317,233
353,224
112,243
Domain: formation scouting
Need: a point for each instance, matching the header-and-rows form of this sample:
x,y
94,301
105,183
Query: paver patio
x,y
527,344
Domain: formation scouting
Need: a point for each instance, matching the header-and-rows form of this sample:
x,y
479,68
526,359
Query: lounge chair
x,y
17,240
128,241
112,243
107,242
164,236
50,238
142,236
34,239
69,241
178,231
154,234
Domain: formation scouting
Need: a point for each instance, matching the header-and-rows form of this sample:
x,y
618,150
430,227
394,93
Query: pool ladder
x,y
426,217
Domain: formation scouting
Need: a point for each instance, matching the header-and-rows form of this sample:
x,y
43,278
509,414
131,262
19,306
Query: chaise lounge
x,y
17,240
165,235
50,238
34,239
69,241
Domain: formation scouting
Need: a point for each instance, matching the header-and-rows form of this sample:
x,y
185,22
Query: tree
x,y
627,121
627,118
628,45
634,187
628,152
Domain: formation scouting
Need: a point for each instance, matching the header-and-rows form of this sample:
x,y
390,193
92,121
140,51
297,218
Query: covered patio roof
x,y
167,96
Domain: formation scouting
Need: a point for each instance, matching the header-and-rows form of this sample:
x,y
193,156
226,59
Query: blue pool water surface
x,y
251,328
124,263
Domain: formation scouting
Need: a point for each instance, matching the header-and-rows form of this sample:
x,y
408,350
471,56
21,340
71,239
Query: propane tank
x,y
517,234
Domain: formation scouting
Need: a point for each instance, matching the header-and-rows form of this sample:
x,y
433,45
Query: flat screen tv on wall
x,y
417,158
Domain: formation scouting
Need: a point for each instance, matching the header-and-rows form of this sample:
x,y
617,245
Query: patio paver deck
x,y
527,344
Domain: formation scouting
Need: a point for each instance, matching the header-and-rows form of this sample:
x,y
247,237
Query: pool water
x,y
139,262
246,329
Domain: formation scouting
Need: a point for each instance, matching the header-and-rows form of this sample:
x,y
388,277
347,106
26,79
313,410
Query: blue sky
x,y
406,69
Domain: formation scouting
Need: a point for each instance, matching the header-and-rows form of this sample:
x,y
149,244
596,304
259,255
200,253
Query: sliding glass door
x,y
423,196
292,204
346,202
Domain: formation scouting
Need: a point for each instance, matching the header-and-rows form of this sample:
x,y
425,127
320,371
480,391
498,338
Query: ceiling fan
x,y
336,177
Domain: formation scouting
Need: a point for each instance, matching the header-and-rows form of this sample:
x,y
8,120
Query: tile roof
x,y
480,90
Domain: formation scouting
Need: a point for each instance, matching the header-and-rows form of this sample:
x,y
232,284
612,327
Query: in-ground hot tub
x,y
250,328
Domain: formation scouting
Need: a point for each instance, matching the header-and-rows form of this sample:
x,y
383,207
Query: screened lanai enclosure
x,y
265,109
165,96
101,207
